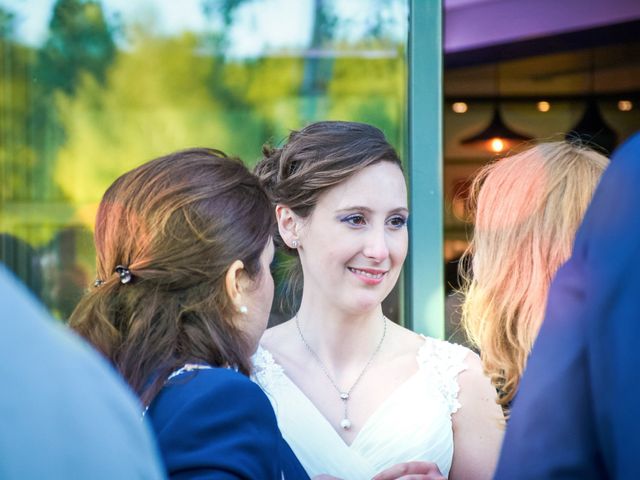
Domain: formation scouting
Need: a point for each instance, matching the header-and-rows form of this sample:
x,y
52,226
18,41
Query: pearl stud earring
x,y
243,309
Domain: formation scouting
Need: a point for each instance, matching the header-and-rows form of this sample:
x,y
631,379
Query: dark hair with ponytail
x,y
176,223
312,160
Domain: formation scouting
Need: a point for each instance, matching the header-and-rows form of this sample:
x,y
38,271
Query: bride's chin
x,y
361,306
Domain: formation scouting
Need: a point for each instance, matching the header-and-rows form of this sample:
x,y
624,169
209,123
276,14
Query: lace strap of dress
x,y
265,368
442,362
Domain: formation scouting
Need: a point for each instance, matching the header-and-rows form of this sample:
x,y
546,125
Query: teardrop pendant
x,y
345,424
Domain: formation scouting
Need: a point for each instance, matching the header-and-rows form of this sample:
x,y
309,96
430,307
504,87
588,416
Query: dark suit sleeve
x,y
613,255
551,434
216,424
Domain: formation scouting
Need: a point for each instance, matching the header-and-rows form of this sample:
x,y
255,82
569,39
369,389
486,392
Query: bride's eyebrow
x,y
354,208
403,210
359,208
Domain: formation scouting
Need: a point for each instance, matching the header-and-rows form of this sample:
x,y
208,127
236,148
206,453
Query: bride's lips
x,y
370,276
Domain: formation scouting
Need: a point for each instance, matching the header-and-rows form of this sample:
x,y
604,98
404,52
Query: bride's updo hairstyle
x,y
166,234
314,159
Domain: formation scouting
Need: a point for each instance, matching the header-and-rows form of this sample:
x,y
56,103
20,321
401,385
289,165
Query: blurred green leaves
x,y
103,94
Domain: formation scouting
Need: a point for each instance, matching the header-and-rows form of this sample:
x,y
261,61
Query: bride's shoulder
x,y
280,342
454,369
277,335
460,371
405,340
429,347
268,357
435,346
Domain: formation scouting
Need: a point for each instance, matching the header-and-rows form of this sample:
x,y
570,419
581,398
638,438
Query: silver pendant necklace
x,y
344,395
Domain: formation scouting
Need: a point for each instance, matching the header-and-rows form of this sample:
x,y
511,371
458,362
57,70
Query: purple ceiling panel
x,y
475,24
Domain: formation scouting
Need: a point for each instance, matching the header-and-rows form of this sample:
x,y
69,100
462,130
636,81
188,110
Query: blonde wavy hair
x,y
527,209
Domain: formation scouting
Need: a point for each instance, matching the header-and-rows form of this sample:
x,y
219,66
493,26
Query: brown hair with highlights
x,y
177,223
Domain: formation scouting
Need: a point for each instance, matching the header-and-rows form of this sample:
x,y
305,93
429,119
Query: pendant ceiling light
x,y
497,137
591,128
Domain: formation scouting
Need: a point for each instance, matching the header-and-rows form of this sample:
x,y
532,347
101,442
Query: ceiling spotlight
x,y
496,145
625,105
543,106
459,107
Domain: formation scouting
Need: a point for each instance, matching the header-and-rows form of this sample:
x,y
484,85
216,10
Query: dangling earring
x,y
243,309
294,244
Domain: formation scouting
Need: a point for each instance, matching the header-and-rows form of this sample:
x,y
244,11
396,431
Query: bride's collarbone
x,y
396,359
392,367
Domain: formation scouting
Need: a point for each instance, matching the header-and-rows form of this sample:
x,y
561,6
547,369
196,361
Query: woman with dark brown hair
x,y
184,292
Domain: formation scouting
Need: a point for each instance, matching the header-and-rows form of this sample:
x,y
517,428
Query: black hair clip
x,y
124,273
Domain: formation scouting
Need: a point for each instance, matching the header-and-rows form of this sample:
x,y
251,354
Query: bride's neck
x,y
340,337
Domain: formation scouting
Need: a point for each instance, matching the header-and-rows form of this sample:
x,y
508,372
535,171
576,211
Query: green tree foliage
x,y
17,158
154,100
79,44
7,19
269,88
371,90
80,41
81,110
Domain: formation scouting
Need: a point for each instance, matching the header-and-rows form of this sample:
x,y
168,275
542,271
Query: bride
x,y
354,393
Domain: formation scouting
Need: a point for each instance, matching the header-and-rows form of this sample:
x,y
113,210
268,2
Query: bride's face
x,y
354,243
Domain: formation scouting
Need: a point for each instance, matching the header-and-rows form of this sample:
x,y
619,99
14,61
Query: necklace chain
x,y
344,396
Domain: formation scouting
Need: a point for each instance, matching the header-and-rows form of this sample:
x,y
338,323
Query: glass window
x,y
91,89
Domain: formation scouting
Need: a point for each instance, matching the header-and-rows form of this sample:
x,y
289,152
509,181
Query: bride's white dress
x,y
414,423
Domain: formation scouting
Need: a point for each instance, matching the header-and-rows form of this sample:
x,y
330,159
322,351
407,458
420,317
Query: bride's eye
x,y
356,220
397,221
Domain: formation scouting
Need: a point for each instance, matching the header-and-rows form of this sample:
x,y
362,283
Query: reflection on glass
x,y
90,89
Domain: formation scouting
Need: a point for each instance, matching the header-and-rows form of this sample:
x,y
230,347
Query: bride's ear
x,y
289,225
235,283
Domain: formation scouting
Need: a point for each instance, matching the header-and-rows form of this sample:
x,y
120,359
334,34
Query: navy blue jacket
x,y
217,424
576,412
